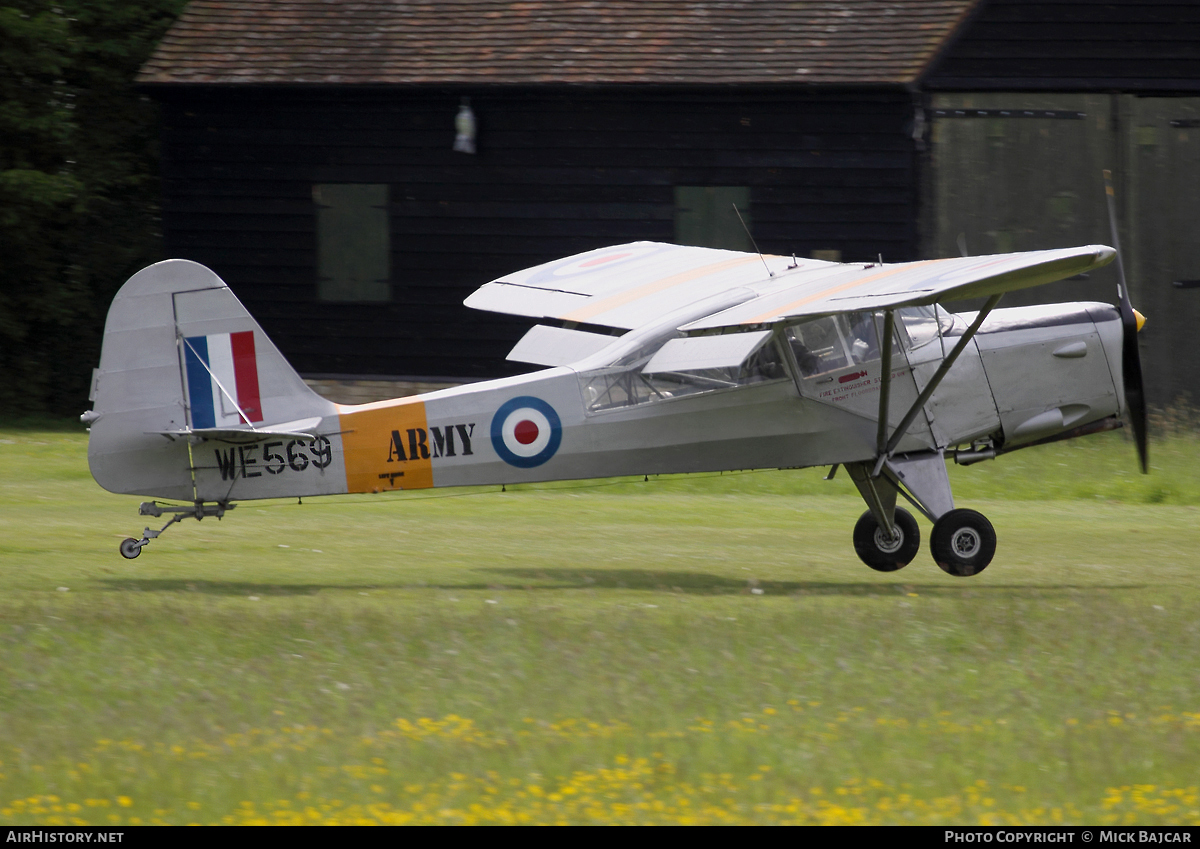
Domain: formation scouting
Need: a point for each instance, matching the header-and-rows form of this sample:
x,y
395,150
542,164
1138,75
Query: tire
x,y
881,554
130,548
963,543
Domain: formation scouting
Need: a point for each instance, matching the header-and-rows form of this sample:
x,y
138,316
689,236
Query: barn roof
x,y
663,42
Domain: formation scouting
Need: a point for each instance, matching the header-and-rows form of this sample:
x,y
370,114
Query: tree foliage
x,y
79,197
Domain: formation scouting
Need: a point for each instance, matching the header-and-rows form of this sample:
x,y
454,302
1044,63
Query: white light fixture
x,y
464,127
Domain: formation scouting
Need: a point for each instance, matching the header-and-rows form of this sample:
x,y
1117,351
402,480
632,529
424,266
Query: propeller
x,y
1131,322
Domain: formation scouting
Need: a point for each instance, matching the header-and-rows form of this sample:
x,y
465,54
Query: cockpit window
x,y
835,341
922,324
624,384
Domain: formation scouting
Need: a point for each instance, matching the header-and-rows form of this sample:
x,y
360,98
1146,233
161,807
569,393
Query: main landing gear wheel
x,y
131,548
881,552
963,543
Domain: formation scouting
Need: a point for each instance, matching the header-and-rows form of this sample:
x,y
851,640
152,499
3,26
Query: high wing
x,y
873,287
627,286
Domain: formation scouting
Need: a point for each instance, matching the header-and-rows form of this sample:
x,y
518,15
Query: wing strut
x,y
885,348
885,450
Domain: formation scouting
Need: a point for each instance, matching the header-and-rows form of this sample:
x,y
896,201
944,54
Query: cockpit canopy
x,y
668,364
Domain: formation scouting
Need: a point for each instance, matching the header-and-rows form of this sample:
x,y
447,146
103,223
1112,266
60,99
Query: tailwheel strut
x,y
131,548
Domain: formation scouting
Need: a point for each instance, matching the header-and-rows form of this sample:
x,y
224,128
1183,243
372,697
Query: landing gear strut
x,y
131,548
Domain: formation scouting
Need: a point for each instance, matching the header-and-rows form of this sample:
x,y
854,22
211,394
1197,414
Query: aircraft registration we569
x,y
660,359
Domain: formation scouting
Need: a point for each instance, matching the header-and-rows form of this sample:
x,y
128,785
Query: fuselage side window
x,y
922,324
625,384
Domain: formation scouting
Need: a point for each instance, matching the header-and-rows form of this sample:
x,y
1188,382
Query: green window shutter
x,y
353,242
705,217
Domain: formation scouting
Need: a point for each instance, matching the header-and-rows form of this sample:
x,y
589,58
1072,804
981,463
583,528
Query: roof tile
x,y
553,41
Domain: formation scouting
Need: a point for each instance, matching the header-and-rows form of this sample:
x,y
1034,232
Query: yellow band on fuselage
x,y
387,447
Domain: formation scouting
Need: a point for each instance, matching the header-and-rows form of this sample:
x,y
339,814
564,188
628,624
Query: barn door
x,y
1162,206
1015,172
1021,172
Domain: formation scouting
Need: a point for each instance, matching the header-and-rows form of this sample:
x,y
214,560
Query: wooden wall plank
x,y
557,172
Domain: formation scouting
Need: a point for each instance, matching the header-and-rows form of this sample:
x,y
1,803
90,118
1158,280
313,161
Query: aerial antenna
x,y
770,273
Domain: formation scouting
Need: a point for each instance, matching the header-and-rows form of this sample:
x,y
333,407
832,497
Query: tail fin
x,y
182,355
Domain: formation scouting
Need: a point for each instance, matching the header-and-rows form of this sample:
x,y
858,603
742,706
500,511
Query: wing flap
x,y
557,346
694,353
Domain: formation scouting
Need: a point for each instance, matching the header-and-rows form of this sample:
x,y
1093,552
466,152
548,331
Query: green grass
x,y
703,649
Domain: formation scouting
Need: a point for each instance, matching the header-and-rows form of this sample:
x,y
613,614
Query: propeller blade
x,y
1131,360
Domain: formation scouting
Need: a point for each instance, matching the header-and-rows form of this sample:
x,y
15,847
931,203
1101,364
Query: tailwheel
x,y
963,543
882,552
131,548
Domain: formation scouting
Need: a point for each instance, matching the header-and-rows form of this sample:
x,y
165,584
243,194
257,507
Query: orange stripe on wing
x,y
825,293
623,298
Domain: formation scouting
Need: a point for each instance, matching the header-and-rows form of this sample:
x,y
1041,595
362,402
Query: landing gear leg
x,y
131,548
963,543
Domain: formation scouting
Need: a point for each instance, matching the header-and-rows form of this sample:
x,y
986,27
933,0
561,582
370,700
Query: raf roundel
x,y
603,259
526,432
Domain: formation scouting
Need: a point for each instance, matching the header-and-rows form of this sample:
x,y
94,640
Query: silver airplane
x,y
661,359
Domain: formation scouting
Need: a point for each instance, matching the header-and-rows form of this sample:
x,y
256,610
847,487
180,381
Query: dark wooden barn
x,y
309,148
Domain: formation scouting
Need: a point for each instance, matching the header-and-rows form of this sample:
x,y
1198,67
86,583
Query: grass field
x,y
704,649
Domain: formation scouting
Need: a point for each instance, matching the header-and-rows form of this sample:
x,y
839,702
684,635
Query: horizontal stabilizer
x,y
302,429
729,350
557,346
